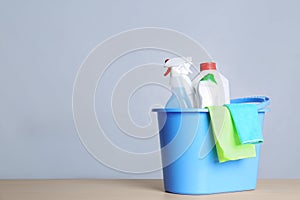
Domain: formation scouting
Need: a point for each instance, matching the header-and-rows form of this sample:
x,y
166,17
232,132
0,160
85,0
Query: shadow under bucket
x,y
189,157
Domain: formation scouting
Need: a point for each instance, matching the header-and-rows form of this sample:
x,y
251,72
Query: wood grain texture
x,y
132,189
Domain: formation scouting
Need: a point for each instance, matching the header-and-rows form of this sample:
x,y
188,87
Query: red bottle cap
x,y
208,66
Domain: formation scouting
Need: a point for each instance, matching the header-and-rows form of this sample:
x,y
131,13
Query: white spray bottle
x,y
183,94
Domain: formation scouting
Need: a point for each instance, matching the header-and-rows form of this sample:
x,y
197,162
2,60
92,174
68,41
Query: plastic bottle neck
x,y
175,73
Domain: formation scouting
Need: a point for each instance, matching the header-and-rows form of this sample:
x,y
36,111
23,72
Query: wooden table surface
x,y
132,189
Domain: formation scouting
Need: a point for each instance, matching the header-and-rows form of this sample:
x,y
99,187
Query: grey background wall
x,y
43,43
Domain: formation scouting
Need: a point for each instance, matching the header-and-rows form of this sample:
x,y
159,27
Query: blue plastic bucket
x,y
189,165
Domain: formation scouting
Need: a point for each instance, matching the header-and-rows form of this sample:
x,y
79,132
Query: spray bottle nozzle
x,y
169,68
168,71
179,65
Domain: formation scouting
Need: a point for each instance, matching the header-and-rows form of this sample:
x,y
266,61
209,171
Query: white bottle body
x,y
209,93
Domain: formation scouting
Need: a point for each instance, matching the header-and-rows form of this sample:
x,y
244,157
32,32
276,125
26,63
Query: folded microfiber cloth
x,y
246,122
227,142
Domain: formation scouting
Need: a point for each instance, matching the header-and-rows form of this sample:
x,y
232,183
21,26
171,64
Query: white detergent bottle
x,y
183,94
212,88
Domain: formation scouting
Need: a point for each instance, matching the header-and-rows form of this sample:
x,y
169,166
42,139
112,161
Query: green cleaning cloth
x,y
226,138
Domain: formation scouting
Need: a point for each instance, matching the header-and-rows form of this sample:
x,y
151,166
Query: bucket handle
x,y
262,101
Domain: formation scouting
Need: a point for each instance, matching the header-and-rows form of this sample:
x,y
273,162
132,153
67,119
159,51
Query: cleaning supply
x,y
183,95
212,88
226,138
246,122
208,92
192,172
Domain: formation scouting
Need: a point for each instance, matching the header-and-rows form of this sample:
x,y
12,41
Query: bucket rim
x,y
192,110
260,101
